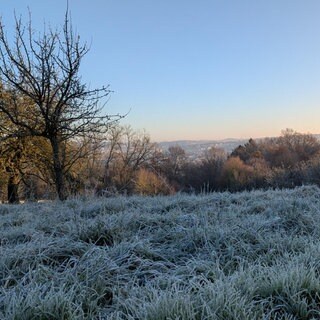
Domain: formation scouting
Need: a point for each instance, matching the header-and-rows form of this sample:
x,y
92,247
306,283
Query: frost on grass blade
x,y
250,255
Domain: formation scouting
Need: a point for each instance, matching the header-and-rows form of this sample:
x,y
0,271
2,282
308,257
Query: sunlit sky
x,y
205,69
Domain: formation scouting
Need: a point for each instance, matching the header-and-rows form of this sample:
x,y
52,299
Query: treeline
x,y
135,165
124,161
287,161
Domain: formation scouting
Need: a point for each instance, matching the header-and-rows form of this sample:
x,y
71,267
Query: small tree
x,y
172,167
211,167
44,69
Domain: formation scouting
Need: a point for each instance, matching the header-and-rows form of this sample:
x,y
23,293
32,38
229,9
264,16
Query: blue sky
x,y
206,69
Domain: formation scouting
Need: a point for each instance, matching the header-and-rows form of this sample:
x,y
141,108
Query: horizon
x,y
197,71
231,138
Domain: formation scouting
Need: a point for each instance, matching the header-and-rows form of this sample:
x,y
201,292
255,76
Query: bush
x,y
236,175
149,183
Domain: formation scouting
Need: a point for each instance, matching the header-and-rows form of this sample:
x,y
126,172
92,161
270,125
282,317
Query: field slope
x,y
252,255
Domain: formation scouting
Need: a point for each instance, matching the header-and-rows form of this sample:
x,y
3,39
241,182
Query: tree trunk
x,y
13,188
58,171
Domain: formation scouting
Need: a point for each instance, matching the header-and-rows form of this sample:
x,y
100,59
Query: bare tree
x,y
126,153
44,69
176,158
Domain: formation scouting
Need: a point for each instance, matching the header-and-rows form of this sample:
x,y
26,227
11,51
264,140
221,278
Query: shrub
x,y
149,183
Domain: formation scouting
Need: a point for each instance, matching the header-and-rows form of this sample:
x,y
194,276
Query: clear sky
x,y
205,69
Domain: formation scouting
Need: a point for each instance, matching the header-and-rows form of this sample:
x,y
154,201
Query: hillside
x,y
251,255
195,148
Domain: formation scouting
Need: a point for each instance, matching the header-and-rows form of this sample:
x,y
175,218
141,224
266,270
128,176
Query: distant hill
x,y
195,148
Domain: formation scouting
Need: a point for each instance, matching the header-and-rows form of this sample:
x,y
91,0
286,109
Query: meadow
x,y
249,255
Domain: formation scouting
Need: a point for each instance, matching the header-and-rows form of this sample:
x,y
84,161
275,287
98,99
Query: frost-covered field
x,y
253,255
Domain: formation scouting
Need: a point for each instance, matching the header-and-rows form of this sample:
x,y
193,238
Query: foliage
x,y
149,183
236,174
